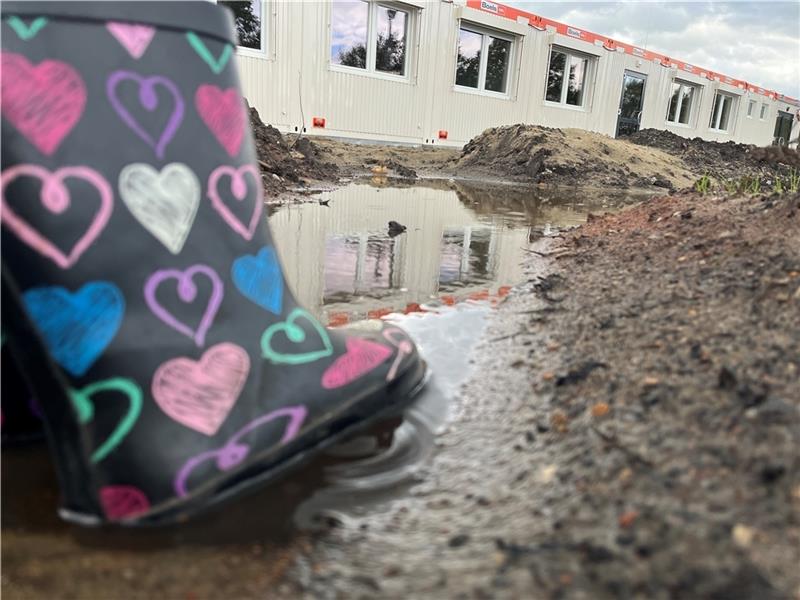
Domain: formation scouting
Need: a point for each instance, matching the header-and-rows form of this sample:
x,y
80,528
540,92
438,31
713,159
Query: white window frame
x,y
485,32
764,112
751,106
588,76
372,38
692,111
714,122
262,52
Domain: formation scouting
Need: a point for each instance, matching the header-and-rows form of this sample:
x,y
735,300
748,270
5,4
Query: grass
x,y
748,184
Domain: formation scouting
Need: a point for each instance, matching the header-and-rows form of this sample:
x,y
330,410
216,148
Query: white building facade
x,y
440,72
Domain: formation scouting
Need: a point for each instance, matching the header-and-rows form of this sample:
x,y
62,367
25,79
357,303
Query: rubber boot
x,y
142,296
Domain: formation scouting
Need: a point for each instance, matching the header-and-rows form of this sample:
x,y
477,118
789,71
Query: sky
x,y
758,41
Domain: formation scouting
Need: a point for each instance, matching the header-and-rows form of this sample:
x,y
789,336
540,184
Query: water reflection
x,y
461,242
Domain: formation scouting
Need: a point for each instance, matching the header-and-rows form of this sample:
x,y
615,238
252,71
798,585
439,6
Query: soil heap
x,y
282,162
721,160
532,153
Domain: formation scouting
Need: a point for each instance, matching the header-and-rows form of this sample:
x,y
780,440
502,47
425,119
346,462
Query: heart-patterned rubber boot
x,y
142,296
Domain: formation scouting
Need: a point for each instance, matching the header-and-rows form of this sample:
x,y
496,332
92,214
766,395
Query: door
x,y
630,103
783,129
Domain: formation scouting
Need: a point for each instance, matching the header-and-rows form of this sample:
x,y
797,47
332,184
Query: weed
x,y
794,180
730,185
777,187
703,185
755,185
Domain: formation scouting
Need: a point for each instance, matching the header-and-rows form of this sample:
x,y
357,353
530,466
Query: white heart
x,y
164,203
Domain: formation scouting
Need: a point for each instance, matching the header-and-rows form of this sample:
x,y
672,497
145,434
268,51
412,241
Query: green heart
x,y
216,64
82,401
26,32
295,334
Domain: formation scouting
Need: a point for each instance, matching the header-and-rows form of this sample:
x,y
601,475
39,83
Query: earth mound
x,y
282,162
532,153
721,159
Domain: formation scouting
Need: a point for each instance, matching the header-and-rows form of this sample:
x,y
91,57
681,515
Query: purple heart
x,y
149,100
234,452
187,292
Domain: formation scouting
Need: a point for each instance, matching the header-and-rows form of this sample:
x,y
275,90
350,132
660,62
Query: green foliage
x,y
794,180
248,25
703,185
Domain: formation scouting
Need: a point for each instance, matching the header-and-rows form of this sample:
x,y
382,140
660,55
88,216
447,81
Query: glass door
x,y
783,129
629,115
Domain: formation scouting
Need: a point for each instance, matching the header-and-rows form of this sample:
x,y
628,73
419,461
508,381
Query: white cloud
x,y
758,41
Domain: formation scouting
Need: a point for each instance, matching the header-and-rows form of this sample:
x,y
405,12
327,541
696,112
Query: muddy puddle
x,y
459,255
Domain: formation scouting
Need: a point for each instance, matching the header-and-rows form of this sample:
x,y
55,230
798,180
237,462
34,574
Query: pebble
x,y
743,535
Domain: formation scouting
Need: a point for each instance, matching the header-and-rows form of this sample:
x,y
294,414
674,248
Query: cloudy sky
x,y
758,41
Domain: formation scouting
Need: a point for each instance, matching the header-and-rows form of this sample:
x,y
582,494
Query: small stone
x,y
548,376
546,474
599,410
627,519
458,540
651,381
559,421
743,535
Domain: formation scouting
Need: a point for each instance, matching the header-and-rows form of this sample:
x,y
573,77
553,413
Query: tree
x,y
355,56
248,25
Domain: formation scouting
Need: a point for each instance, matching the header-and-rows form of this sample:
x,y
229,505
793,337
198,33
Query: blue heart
x,y
77,327
259,278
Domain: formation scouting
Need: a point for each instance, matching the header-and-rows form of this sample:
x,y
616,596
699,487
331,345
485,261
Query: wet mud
x,y
632,430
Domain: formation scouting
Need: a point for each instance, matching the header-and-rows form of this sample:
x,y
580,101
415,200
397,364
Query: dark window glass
x,y
555,76
686,104
673,102
247,16
469,58
390,50
497,55
577,75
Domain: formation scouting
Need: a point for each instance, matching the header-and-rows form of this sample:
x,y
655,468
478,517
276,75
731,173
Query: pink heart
x,y
361,357
134,38
200,394
121,501
56,198
239,189
44,102
223,113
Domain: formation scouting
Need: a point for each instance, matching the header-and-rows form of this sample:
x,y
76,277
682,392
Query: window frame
x,y
485,33
764,112
263,52
372,37
695,102
751,105
587,76
715,119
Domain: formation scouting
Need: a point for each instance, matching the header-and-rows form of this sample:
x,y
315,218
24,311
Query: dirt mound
x,y
282,162
720,159
573,157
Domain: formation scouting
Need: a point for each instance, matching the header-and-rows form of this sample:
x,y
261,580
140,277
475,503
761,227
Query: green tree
x,y
248,25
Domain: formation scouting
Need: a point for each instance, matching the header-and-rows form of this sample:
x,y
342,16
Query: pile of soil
x,y
536,154
722,160
282,162
631,430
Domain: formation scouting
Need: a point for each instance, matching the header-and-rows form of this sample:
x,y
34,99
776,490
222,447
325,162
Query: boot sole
x,y
359,414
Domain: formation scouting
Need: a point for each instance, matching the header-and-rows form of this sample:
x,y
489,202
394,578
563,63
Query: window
x,y
248,17
751,108
483,60
721,112
764,111
570,68
370,36
680,103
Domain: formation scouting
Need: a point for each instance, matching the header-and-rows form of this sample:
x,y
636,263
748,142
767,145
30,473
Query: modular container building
x,y
441,71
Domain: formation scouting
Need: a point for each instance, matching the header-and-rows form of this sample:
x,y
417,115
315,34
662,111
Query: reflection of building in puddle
x,y
341,259
342,264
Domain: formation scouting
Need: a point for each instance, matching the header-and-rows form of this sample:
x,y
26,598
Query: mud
x,y
285,162
572,157
637,438
722,160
